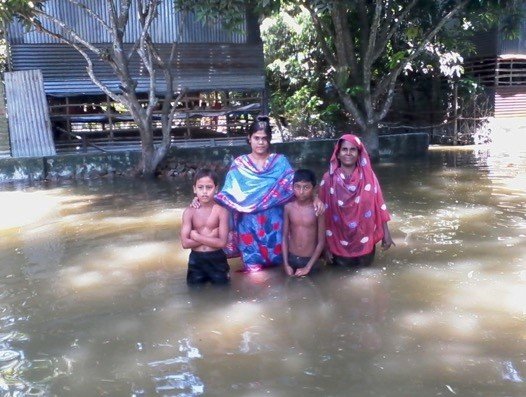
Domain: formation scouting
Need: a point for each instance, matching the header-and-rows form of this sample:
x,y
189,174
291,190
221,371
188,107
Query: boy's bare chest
x,y
205,217
303,216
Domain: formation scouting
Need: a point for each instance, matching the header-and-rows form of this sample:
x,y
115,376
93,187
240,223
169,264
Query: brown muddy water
x,y
93,300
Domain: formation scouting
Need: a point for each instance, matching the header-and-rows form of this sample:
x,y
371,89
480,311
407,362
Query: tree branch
x,y
93,14
66,28
89,68
388,33
322,34
368,60
147,51
121,68
387,85
351,104
363,21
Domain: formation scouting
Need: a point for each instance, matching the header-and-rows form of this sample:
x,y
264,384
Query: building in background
x,y
222,70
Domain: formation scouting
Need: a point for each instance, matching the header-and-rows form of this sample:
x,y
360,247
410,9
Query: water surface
x,y
93,300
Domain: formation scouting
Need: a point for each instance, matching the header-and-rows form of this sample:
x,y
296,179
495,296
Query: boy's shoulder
x,y
290,204
219,209
187,218
188,211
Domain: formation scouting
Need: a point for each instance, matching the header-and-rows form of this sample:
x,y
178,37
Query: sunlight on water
x,y
22,208
93,299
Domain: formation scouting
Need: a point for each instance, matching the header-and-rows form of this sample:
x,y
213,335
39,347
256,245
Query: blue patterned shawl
x,y
248,189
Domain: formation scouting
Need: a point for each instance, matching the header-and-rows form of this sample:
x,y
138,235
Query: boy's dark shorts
x,y
297,262
208,266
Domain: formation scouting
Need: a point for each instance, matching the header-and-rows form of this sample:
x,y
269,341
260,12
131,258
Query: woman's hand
x,y
195,203
319,207
387,242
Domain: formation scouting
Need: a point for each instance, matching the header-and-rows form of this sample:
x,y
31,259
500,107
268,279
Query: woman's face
x,y
348,154
259,142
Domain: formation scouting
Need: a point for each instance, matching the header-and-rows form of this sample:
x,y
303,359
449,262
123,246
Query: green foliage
x,y
296,71
303,112
355,90
13,9
230,12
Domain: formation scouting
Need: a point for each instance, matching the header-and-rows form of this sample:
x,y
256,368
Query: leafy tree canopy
x,y
367,45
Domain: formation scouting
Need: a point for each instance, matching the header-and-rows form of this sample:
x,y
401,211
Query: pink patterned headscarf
x,y
355,207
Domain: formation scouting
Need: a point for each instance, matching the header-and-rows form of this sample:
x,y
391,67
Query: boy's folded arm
x,y
209,241
186,241
213,241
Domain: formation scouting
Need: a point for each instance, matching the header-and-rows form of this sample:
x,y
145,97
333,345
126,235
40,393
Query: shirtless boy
x,y
205,231
303,231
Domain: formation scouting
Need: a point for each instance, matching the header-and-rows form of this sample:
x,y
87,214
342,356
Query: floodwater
x,y
93,300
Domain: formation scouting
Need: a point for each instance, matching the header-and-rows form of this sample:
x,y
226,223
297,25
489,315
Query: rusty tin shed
x,y
208,58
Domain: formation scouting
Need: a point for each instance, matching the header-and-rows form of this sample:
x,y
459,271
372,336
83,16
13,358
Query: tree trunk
x,y
149,158
151,154
147,165
371,141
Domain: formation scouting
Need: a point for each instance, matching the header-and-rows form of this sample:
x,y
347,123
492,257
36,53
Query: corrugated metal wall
x,y
29,124
510,101
205,67
5,150
501,67
208,57
168,27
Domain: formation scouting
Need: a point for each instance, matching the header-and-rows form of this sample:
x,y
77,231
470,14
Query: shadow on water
x,y
93,299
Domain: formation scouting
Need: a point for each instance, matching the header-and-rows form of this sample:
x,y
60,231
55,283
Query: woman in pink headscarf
x,y
356,216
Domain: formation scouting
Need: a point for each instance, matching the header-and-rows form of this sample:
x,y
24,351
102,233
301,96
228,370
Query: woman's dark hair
x,y
262,123
206,172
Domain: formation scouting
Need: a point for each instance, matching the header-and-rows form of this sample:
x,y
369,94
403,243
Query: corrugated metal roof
x,y
204,67
168,27
29,124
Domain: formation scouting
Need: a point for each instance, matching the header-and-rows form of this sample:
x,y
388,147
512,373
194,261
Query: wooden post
x,y
109,115
187,122
228,105
455,113
68,120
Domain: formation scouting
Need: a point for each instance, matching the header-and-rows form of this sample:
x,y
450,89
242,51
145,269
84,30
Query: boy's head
x,y
205,184
303,184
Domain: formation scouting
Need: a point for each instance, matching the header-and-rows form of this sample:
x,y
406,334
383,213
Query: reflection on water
x,y
93,300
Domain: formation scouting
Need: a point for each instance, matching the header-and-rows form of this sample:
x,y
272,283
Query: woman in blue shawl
x,y
256,188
